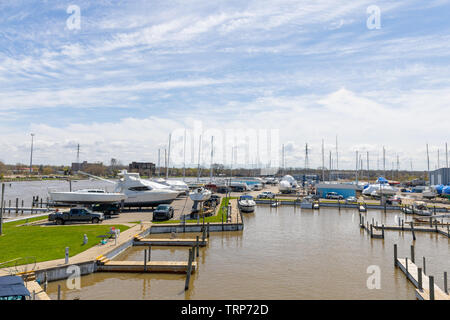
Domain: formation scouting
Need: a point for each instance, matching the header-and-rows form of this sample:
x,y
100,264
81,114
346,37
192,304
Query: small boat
x,y
307,203
87,196
362,208
274,204
246,203
200,194
420,208
407,210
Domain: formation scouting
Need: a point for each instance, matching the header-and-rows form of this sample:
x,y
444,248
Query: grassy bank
x,y
215,218
47,243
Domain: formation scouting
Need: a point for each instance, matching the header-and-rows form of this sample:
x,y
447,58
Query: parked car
x,y
163,212
266,195
76,215
334,195
223,189
394,200
351,199
107,208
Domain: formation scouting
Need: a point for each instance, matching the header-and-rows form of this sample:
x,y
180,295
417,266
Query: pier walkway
x,y
420,281
147,266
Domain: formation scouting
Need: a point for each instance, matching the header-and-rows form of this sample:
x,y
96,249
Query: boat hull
x,y
86,198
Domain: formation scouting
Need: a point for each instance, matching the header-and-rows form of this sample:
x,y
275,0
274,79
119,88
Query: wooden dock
x,y
139,241
371,229
443,230
36,291
420,281
149,266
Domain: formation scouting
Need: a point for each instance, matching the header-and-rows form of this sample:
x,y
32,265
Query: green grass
x,y
215,218
47,243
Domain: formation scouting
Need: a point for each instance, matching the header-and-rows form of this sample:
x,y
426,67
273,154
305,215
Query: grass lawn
x,y
47,243
215,218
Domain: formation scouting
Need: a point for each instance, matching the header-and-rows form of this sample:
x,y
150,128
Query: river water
x,y
282,253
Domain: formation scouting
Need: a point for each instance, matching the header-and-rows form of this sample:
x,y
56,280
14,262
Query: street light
x,y
31,157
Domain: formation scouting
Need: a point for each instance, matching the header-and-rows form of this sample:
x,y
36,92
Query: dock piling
x,y
424,266
412,254
445,283
198,245
419,279
431,287
412,230
145,260
59,292
189,269
395,255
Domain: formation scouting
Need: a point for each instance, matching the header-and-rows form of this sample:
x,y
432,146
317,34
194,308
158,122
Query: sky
x,y
119,77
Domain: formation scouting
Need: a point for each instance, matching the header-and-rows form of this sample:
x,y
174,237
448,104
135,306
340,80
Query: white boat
x,y
142,193
200,194
288,184
381,187
420,208
246,203
307,203
176,185
86,196
429,193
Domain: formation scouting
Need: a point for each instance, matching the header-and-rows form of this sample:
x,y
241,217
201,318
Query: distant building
x,y
142,167
440,176
345,190
82,166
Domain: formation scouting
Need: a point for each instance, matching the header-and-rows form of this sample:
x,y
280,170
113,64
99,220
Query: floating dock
x,y
149,266
139,241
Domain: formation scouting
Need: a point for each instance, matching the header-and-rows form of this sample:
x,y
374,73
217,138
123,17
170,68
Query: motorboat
x,y
246,203
87,196
429,193
176,185
420,208
380,188
142,193
200,194
288,184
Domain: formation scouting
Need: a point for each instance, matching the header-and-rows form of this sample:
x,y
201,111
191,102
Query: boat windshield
x,y
246,198
141,188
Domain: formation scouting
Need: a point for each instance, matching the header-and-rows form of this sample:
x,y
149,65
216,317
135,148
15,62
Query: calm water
x,y
283,253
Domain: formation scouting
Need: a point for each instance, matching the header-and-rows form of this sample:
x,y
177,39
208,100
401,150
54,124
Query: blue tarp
x,y
382,180
446,190
11,286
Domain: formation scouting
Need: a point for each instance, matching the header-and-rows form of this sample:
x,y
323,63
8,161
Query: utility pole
x,y
31,156
428,164
1,209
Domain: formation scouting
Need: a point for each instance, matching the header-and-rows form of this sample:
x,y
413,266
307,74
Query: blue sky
x,y
136,71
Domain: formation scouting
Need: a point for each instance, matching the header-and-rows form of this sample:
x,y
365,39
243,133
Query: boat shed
x,y
345,190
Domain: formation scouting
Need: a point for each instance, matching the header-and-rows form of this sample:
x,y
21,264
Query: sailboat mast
x,y
168,157
428,164
199,151
212,155
384,162
368,172
337,159
184,156
159,162
356,169
323,162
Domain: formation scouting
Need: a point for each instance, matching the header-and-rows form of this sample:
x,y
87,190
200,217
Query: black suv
x,y
163,212
107,208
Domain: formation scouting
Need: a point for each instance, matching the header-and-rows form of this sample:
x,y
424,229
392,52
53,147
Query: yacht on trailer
x,y
288,184
86,196
176,185
142,192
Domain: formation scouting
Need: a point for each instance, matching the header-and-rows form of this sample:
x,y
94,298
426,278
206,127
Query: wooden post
x,y
46,282
431,287
419,278
207,228
412,254
445,283
406,266
424,266
145,260
412,230
371,231
431,222
149,252
395,255
198,245
188,274
403,225
67,256
222,219
59,292
17,206
34,295
382,231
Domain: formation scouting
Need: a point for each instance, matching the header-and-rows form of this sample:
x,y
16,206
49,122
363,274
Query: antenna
x,y
306,158
78,154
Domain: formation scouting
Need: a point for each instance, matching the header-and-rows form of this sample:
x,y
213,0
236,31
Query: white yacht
x,y
200,194
142,192
86,196
176,185
381,187
288,184
246,203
